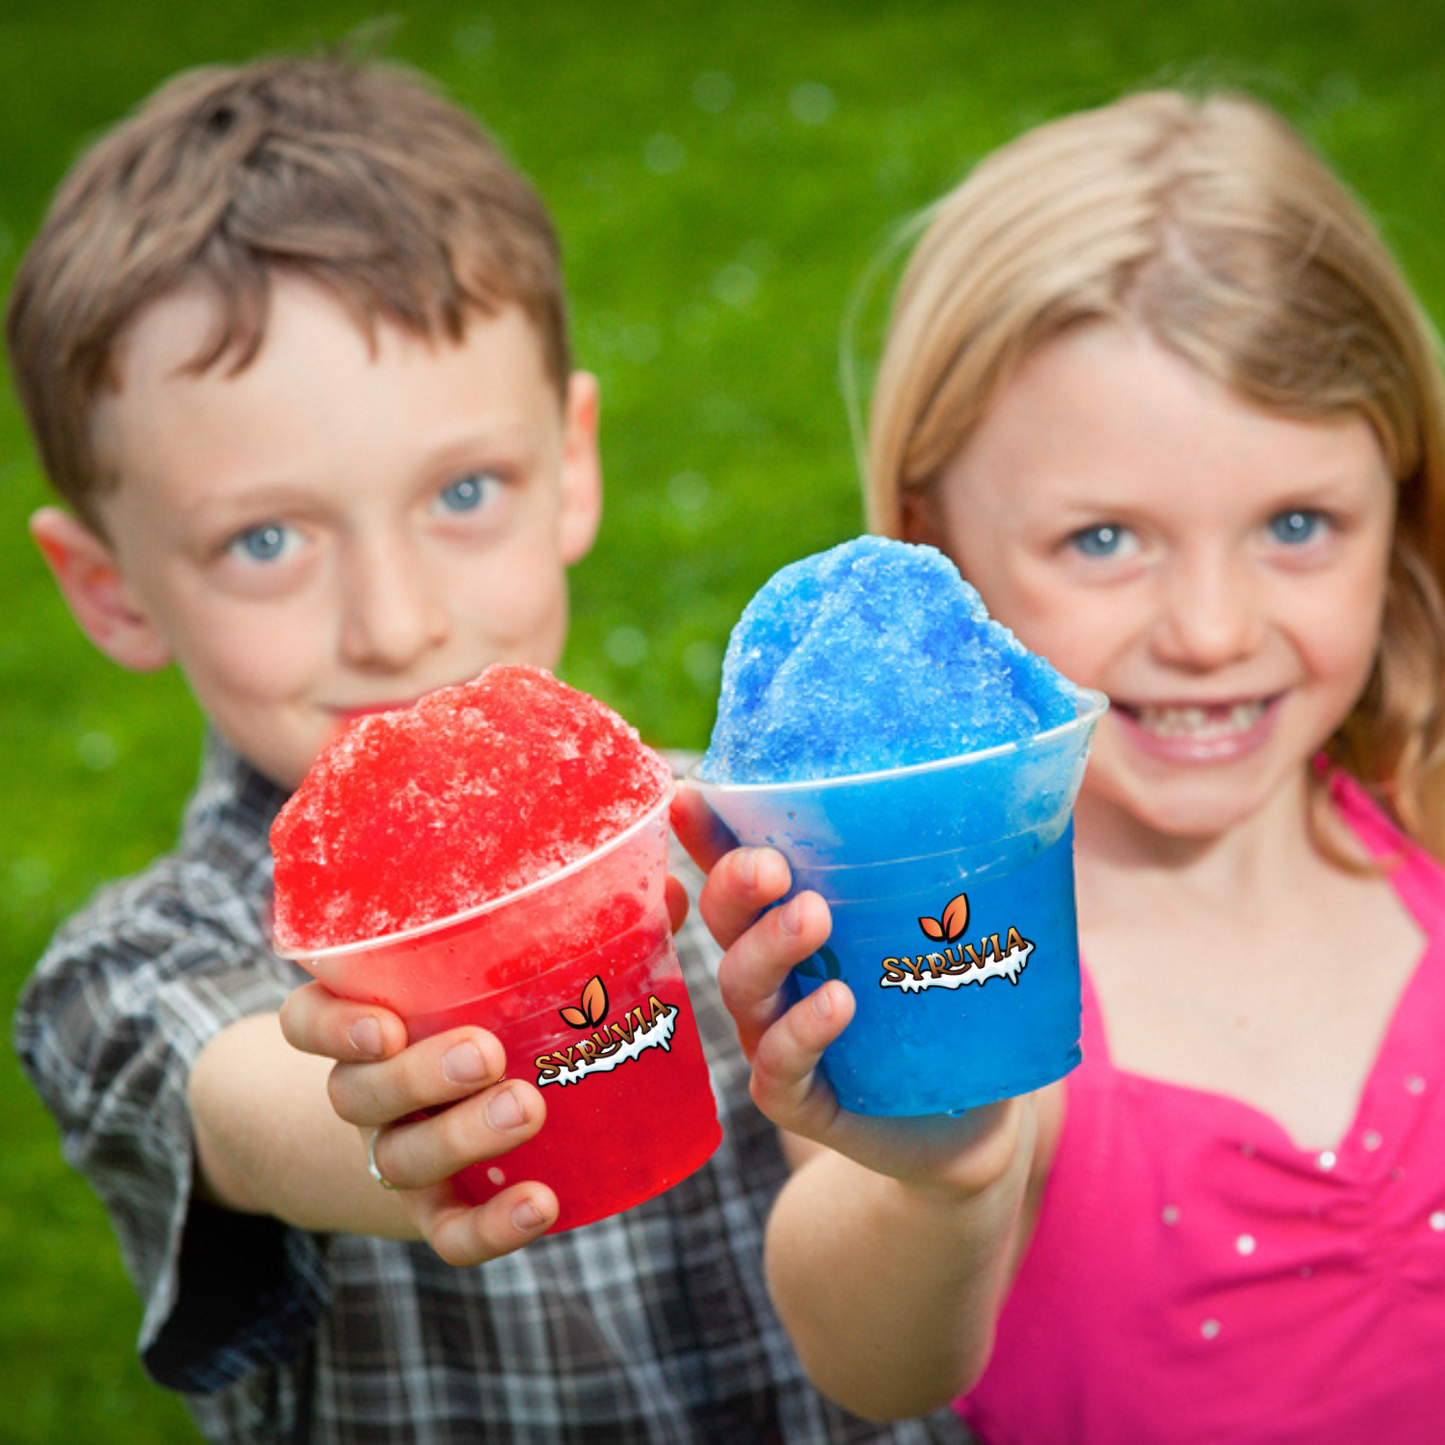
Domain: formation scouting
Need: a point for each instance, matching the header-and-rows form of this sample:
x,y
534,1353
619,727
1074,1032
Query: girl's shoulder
x,y
1417,875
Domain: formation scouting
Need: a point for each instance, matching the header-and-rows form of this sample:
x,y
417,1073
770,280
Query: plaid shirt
x,y
653,1325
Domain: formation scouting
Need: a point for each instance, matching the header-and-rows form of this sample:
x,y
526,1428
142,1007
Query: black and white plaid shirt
x,y
650,1326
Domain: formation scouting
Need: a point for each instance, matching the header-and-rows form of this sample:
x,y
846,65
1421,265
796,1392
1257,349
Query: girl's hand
x,y
761,943
426,1110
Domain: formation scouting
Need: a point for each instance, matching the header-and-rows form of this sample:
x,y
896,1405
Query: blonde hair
x,y
353,174
1210,224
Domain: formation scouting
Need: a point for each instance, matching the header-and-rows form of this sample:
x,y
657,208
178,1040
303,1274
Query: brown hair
x,y
353,174
1212,226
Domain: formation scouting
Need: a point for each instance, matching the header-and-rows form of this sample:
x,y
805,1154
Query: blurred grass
x,y
721,174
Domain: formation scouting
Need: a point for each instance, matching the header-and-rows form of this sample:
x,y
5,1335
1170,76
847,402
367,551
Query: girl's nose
x,y
1210,614
392,608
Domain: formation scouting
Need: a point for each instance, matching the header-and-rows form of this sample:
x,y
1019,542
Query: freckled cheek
x,y
251,662
1080,647
531,609
1347,670
1340,642
1080,631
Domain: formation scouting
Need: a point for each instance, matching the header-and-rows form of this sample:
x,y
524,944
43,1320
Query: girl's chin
x,y
1175,792
1177,817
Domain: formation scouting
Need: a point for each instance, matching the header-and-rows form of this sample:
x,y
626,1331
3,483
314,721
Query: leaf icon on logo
x,y
594,1006
954,921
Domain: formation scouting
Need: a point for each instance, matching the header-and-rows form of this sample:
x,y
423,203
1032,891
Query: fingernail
x,y
789,919
365,1037
505,1112
822,1001
526,1216
463,1064
748,867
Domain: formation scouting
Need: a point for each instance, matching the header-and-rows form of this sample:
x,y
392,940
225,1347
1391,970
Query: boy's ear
x,y
581,503
90,580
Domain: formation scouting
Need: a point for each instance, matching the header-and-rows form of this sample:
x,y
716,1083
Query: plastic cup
x,y
577,976
951,886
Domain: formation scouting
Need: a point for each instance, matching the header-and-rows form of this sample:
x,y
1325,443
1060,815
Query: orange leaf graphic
x,y
955,917
931,927
594,1000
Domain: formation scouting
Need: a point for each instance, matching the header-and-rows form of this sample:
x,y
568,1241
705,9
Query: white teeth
x,y
1203,724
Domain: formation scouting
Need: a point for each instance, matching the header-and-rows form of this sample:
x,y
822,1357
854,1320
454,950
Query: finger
x,y
677,902
464,1234
423,1152
742,883
705,836
786,1085
752,973
317,1021
427,1075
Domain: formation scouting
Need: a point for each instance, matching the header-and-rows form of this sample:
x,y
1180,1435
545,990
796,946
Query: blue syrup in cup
x,y
951,886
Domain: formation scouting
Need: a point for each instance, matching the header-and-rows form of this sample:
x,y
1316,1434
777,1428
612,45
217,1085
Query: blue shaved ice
x,y
875,654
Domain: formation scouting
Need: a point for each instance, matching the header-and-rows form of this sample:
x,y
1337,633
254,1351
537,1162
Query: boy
x,y
292,344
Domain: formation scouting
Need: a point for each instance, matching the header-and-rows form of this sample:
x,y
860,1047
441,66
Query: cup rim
x,y
1092,704
333,951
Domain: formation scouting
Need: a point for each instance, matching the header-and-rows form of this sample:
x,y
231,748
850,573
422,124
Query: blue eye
x,y
1105,540
1296,527
264,543
468,493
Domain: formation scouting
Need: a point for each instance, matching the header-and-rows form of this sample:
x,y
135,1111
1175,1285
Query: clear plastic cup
x,y
577,976
951,886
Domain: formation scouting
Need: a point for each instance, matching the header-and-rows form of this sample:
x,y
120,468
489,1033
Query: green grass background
x,y
721,174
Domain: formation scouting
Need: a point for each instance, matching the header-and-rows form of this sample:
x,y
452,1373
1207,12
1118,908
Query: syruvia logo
x,y
956,963
607,1045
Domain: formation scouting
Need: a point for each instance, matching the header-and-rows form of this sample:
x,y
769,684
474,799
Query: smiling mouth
x,y
350,714
1197,722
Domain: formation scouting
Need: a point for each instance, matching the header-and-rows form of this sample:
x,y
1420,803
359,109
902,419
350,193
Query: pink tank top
x,y
1196,1277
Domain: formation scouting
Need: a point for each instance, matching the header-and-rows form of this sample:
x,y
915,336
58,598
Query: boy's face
x,y
341,527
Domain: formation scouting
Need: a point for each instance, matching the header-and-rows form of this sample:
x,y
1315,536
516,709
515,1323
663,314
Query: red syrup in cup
x,y
623,1092
570,963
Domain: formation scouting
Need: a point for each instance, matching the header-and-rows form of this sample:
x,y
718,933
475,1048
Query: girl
x,y
1155,385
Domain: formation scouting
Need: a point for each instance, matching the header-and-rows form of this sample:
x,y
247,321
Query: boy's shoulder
x,y
173,953
217,877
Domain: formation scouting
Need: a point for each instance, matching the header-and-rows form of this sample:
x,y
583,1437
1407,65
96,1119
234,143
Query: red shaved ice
x,y
409,817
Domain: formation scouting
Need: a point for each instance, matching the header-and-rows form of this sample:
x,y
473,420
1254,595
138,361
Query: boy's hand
x,y
428,1109
784,1043
425,1111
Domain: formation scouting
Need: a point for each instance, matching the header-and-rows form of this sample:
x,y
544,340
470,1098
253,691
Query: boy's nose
x,y
392,610
1210,614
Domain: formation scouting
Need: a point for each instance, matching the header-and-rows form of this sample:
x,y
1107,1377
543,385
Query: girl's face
x,y
1217,570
